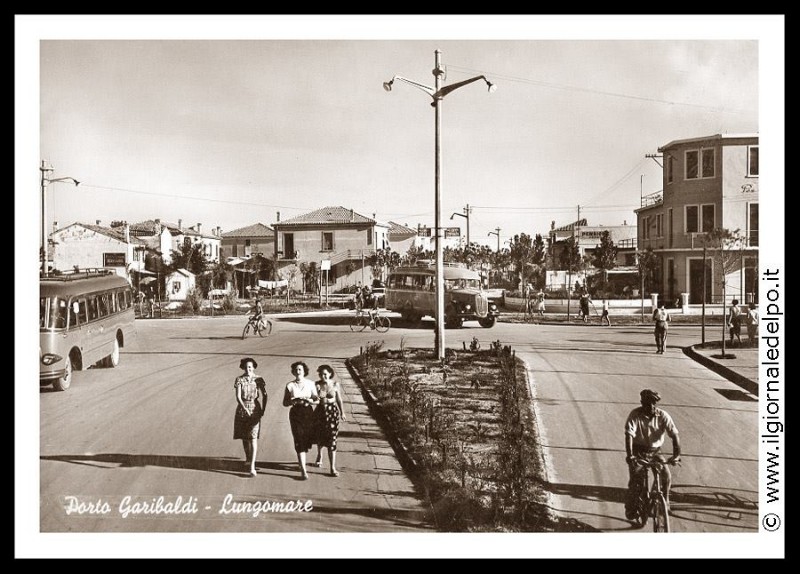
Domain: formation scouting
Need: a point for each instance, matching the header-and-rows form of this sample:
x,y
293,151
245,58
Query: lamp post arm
x,y
452,87
427,89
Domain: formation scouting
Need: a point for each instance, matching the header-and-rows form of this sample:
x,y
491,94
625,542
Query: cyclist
x,y
645,431
259,313
370,302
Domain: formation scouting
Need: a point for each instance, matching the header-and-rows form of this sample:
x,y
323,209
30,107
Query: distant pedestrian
x,y
661,318
735,322
752,323
605,316
584,306
540,304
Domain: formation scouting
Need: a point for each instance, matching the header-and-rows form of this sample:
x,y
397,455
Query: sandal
x,y
317,464
334,473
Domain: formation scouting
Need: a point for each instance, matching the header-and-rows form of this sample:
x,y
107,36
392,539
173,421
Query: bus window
x,y
77,313
91,307
59,312
102,305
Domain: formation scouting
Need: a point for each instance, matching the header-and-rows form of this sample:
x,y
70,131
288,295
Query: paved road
x,y
160,424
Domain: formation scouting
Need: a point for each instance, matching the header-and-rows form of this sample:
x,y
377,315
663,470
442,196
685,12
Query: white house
x,y
84,246
179,283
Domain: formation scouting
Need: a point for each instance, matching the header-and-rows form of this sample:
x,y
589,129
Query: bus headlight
x,y
50,358
467,307
492,307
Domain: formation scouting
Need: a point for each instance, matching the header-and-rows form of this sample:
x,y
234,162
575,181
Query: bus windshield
x,y
52,313
451,284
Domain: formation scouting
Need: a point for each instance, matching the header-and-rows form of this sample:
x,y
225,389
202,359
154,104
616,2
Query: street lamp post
x,y
44,182
438,92
497,233
466,216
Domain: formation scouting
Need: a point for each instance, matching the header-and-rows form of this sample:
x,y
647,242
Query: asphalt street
x,y
147,446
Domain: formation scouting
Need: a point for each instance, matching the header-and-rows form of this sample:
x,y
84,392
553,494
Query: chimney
x,y
278,216
198,228
97,222
624,222
352,216
552,225
373,216
55,226
180,225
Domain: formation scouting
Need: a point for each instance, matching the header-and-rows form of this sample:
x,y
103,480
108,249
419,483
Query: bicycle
x,y
652,502
374,320
261,327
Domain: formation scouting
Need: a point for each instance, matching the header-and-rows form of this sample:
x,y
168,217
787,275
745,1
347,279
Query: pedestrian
x,y
584,306
301,396
540,304
662,319
752,323
247,421
646,429
329,413
735,322
605,317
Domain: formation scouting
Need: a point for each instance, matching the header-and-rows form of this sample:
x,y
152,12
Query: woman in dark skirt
x,y
301,396
247,421
328,414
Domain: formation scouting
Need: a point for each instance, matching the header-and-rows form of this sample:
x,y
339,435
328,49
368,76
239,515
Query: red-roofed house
x,y
401,237
341,236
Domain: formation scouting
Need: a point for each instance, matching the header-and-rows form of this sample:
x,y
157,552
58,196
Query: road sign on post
x,y
325,265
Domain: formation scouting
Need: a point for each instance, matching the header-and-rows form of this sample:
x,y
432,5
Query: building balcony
x,y
653,199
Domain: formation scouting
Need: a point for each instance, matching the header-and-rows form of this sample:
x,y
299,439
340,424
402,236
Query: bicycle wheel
x,y
660,515
358,323
246,330
267,327
382,324
644,503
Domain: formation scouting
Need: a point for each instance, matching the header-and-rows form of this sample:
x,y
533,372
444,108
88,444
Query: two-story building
x,y
334,237
256,239
588,239
709,182
164,237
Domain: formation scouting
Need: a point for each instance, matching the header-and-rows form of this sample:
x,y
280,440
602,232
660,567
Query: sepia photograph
x,y
474,286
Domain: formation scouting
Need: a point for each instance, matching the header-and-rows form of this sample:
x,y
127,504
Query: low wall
x,y
615,307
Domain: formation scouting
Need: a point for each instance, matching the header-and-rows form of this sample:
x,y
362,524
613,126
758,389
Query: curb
x,y
734,377
376,410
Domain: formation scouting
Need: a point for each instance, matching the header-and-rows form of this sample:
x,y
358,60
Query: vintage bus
x,y
411,292
85,317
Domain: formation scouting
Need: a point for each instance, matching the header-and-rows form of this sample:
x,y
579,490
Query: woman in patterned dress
x,y
329,412
247,421
301,396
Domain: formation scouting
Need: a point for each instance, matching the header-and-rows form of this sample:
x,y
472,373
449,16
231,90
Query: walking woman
x,y
301,396
328,414
247,421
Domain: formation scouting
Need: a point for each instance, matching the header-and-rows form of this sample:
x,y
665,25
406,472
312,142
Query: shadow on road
x,y
224,465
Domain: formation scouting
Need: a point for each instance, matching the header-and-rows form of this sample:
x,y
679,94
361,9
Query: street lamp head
x,y
388,85
492,87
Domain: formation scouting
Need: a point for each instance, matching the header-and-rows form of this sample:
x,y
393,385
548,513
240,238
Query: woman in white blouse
x,y
301,396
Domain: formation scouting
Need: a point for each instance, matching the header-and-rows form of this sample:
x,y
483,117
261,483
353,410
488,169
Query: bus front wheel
x,y
487,322
113,359
62,383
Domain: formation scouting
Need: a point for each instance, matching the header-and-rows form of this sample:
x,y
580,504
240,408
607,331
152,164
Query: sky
x,y
226,120
229,132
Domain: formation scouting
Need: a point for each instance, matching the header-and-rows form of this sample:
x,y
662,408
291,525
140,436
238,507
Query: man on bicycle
x,y
645,431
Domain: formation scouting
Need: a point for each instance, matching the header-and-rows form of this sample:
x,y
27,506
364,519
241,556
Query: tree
x,y
605,255
570,257
383,260
647,263
190,257
310,274
726,248
526,253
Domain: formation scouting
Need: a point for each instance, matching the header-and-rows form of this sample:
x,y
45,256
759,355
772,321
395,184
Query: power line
x,y
567,87
195,198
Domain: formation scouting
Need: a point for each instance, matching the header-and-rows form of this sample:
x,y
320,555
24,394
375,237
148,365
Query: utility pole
x,y
569,264
45,180
466,213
